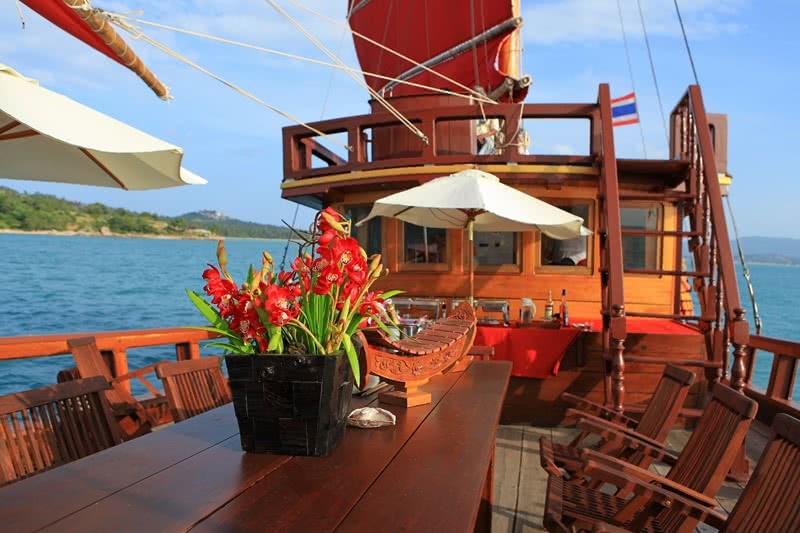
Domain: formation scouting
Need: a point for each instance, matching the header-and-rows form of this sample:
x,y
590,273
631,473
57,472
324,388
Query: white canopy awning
x,y
45,136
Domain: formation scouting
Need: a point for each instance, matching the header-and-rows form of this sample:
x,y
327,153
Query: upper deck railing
x,y
309,155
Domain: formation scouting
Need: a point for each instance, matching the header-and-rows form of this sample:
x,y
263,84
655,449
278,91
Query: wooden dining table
x,y
432,471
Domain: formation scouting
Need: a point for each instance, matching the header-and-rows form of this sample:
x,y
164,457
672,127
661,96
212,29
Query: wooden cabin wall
x,y
527,279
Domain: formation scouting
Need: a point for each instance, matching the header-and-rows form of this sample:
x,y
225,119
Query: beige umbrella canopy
x,y
477,200
45,136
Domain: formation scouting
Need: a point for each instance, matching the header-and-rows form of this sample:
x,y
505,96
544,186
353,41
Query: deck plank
x,y
532,483
507,464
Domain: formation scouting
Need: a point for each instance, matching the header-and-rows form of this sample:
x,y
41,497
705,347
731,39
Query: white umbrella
x,y
45,136
477,200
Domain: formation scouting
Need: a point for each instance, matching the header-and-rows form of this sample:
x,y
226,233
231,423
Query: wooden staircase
x,y
698,200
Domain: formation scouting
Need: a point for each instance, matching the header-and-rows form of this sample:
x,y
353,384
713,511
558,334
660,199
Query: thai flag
x,y
623,110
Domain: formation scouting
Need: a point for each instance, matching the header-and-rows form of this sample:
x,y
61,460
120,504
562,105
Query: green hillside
x,y
42,212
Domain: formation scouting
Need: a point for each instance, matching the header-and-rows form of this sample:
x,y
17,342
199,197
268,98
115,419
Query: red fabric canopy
x,y
422,29
68,20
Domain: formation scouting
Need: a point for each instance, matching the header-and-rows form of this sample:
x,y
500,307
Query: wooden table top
x,y
425,473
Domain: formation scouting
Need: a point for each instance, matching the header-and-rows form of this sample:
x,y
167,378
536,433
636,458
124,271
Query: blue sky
x,y
745,52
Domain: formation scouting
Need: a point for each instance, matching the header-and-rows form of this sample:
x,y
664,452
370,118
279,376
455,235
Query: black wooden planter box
x,y
290,404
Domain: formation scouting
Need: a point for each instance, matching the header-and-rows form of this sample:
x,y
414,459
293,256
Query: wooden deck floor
x,y
520,481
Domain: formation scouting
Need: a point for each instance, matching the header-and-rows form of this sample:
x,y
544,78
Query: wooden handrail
x,y
611,246
27,347
297,139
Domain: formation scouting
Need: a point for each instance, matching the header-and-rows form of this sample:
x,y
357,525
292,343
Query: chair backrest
x,y
666,402
90,363
194,386
709,453
47,427
771,499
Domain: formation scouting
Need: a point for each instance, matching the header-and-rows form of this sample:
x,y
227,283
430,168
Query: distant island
x,y
23,212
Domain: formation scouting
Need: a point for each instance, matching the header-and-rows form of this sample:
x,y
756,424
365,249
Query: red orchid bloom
x,y
357,270
371,305
345,251
281,305
329,276
323,224
222,291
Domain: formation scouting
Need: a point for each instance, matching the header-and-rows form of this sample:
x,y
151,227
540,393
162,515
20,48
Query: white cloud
x,y
598,20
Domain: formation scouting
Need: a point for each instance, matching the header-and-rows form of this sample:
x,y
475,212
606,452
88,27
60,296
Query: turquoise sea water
x,y
54,284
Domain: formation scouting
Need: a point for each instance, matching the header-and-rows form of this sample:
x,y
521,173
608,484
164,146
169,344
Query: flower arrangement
x,y
314,308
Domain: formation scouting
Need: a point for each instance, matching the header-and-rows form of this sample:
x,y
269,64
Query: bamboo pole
x,y
102,26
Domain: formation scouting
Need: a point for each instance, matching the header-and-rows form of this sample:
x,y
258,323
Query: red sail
x,y
68,20
427,29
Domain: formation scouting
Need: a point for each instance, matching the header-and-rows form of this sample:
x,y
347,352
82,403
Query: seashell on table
x,y
371,417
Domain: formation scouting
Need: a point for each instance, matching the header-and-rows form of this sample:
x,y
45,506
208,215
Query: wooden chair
x,y
48,427
697,475
411,361
769,502
135,417
655,423
193,387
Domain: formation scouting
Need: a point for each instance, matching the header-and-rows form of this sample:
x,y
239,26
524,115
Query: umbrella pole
x,y
471,253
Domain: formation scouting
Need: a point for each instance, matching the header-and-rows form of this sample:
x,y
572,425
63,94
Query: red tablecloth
x,y
537,352
533,352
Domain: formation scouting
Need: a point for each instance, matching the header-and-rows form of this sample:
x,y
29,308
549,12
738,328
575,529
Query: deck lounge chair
x,y
655,423
135,417
194,386
44,428
697,474
769,502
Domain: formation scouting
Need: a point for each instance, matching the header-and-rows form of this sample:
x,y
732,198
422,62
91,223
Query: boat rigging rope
x,y
283,54
745,271
389,107
630,72
321,116
473,92
139,34
686,42
19,12
653,70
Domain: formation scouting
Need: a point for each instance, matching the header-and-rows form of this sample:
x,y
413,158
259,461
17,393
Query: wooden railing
x,y
718,293
777,397
113,344
613,297
301,146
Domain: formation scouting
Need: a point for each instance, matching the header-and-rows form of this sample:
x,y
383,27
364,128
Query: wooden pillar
x,y
738,377
616,350
187,350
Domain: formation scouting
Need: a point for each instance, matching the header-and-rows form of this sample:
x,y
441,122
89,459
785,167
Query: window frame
x,y
509,268
659,239
589,222
404,266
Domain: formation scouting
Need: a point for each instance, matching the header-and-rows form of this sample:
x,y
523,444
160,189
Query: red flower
x,y
323,224
345,251
357,270
371,305
245,320
221,290
281,305
329,276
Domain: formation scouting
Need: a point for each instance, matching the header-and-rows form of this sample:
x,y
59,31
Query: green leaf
x,y
352,356
383,326
275,341
390,294
205,308
225,333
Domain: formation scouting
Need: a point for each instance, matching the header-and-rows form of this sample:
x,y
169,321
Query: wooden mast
x,y
101,25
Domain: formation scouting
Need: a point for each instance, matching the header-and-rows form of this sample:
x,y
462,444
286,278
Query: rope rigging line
x,y
281,53
630,72
390,108
653,70
745,270
321,116
686,42
458,84
138,34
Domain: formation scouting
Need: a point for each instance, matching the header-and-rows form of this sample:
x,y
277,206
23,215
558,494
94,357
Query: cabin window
x,y
423,245
495,248
368,235
570,252
640,251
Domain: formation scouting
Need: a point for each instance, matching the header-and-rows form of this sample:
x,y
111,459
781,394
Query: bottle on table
x,y
548,306
564,311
